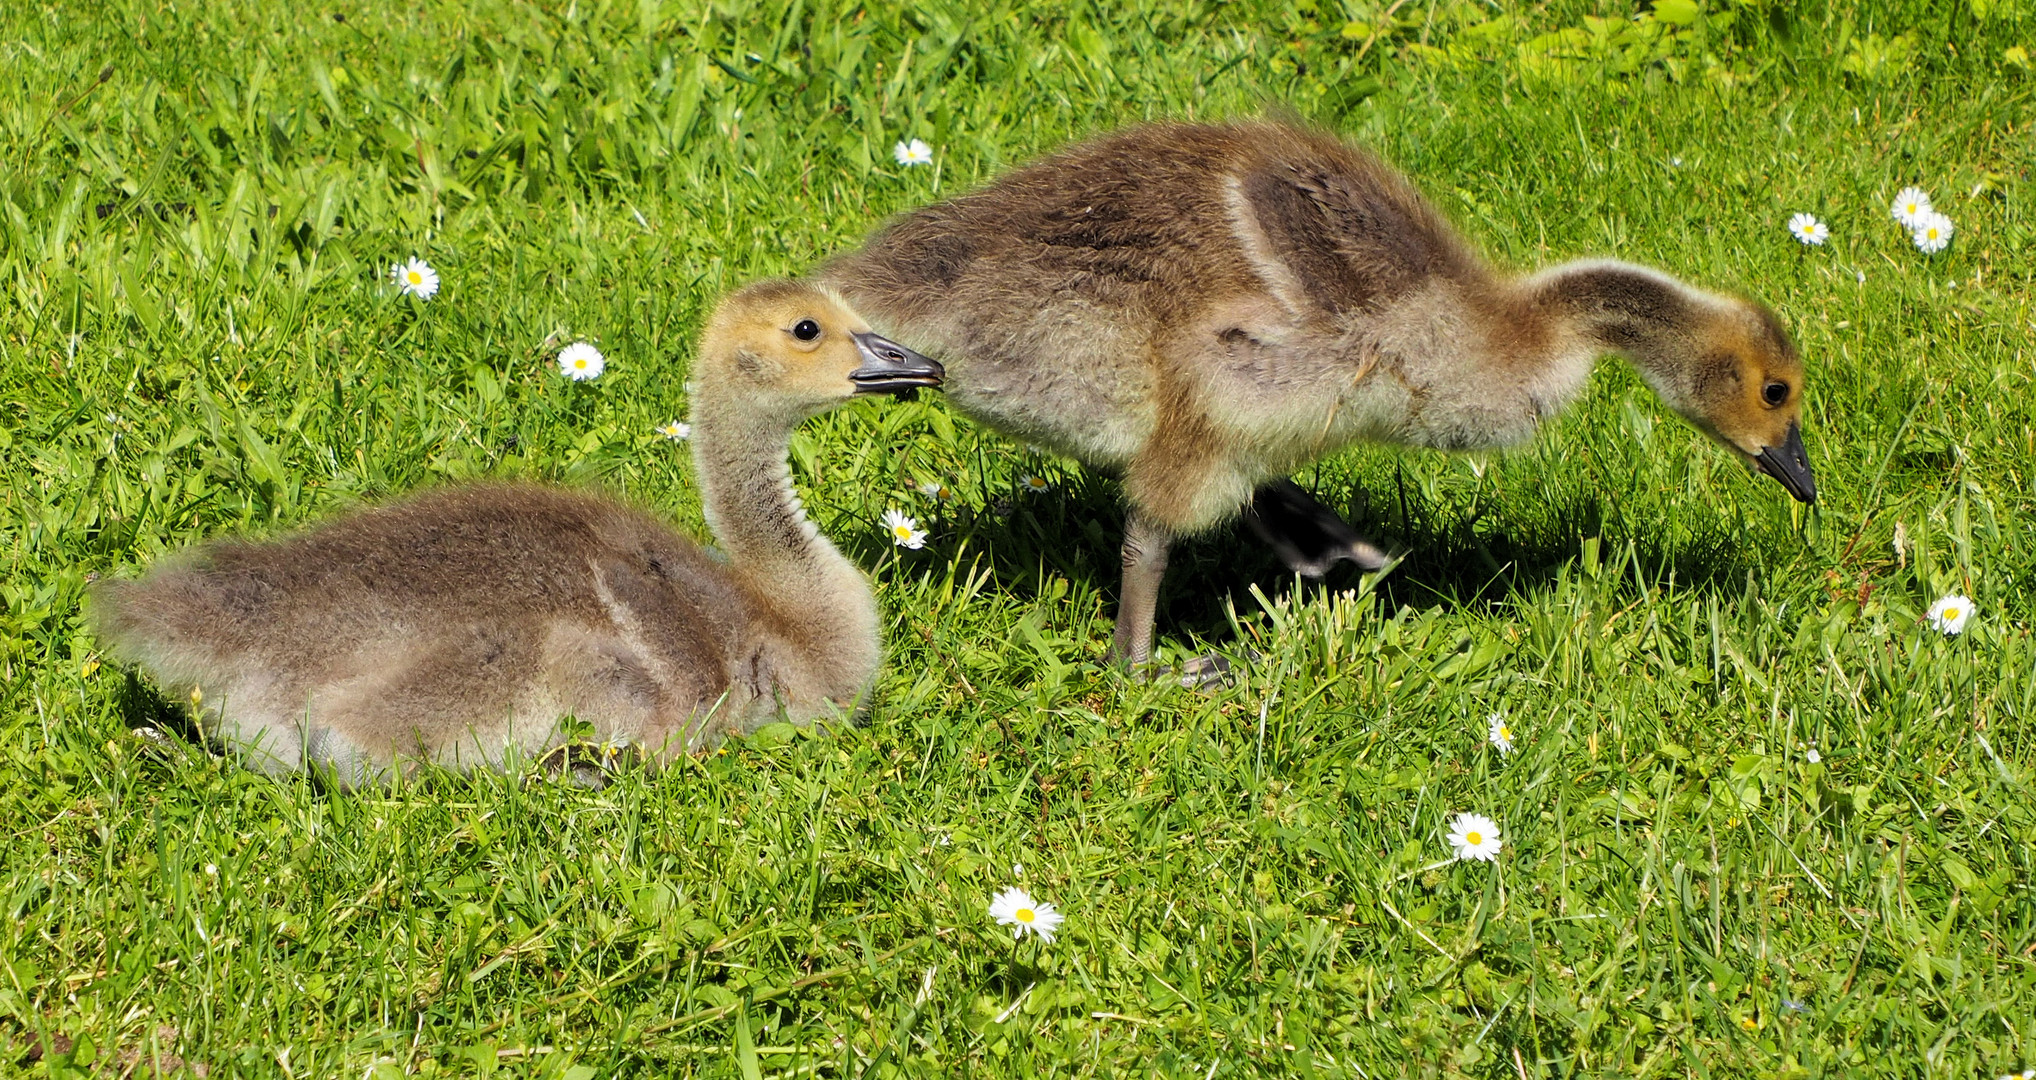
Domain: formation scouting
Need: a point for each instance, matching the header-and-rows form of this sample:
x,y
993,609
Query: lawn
x,y
1760,818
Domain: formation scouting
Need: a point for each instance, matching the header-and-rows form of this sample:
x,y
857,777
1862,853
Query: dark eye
x,y
1775,392
806,330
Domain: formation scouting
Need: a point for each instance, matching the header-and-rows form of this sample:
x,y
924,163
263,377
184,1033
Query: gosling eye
x,y
1775,393
806,330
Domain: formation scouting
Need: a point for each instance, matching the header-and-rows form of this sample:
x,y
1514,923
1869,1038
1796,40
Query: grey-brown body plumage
x,y
493,610
1207,307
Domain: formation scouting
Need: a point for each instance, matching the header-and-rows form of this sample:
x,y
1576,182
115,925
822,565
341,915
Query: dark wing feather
x,y
1350,233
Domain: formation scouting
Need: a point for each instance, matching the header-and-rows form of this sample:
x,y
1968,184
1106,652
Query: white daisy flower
x,y
1474,836
581,361
1034,484
1910,206
1812,756
913,153
1950,614
905,532
415,277
1500,734
1015,908
1807,229
676,431
1933,233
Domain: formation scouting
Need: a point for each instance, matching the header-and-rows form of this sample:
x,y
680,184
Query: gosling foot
x,y
1214,669
586,764
1308,536
160,744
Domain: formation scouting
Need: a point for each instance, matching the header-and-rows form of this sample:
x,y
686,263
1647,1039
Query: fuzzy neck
x,y
1641,314
746,491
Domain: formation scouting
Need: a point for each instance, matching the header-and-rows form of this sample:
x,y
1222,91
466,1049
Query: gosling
x,y
1206,308
459,626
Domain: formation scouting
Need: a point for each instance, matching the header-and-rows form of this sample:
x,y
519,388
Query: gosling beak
x,y
1790,464
890,368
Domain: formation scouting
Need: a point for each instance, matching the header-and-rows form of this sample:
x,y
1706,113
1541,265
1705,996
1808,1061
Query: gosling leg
x,y
1145,547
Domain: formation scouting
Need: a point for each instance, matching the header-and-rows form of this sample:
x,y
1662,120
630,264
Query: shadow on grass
x,y
1449,561
141,706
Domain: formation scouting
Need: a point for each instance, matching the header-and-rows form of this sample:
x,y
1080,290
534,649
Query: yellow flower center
x,y
416,278
1951,614
1023,914
581,363
1474,838
1505,733
902,532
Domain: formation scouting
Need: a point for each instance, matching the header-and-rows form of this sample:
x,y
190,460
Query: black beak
x,y
1790,464
890,368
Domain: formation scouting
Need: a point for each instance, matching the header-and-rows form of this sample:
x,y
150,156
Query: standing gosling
x,y
1206,308
459,626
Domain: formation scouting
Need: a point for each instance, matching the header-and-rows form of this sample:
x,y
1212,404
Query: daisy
x,y
905,532
1910,206
415,277
676,431
1809,230
1933,232
913,153
1015,908
1812,756
1474,836
1501,734
581,361
1034,484
1950,614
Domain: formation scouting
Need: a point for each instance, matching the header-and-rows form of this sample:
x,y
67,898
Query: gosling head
x,y
791,350
1724,363
1745,389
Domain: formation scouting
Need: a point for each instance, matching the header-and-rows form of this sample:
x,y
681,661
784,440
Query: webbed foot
x,y
1308,536
586,764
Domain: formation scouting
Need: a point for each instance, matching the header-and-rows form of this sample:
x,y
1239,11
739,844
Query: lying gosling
x,y
1206,308
459,626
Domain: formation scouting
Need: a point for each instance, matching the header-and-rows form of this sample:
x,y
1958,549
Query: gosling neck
x,y
1643,315
746,490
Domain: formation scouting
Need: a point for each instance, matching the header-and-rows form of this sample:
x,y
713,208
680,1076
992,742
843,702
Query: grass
x,y
199,204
